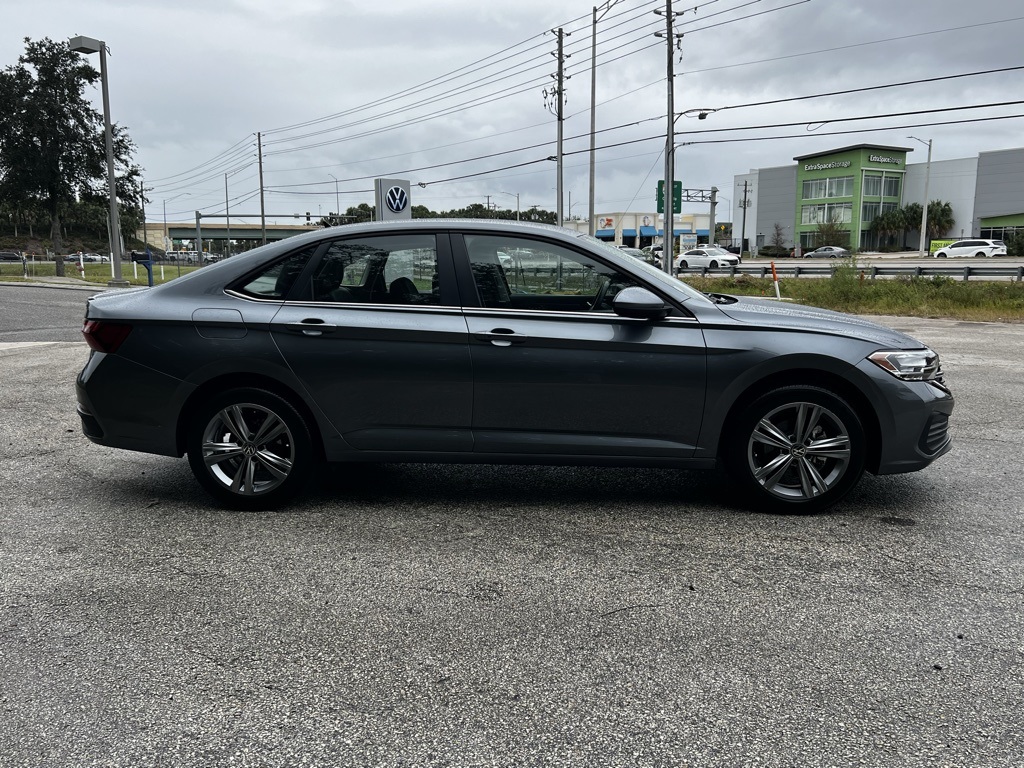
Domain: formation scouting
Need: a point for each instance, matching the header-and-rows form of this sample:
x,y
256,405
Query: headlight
x,y
909,365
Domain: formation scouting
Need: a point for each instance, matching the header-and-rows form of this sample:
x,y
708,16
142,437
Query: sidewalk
x,y
56,282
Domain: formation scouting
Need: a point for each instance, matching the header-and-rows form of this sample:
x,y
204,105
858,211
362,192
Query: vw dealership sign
x,y
393,200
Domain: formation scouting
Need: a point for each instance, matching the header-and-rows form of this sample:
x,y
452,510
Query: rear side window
x,y
276,280
386,269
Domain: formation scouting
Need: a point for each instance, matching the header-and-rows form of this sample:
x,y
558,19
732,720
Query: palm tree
x,y
887,225
912,217
940,219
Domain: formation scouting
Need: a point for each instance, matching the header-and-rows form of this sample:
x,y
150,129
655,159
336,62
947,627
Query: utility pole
x,y
558,94
711,218
604,8
668,259
263,210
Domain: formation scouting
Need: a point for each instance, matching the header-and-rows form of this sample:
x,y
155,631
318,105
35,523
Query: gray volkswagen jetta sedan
x,y
505,343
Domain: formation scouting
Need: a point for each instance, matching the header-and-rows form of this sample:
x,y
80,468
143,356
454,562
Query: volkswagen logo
x,y
397,199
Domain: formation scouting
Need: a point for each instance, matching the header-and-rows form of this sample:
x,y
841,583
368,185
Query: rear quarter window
x,y
277,279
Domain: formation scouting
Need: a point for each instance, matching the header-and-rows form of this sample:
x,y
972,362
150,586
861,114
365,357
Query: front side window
x,y
518,273
391,269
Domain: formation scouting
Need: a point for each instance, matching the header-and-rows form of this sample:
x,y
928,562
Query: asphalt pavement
x,y
408,615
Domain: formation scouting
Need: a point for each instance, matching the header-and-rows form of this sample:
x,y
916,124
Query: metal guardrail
x,y
965,272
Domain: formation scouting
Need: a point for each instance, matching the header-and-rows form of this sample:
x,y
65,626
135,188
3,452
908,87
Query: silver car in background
x,y
417,342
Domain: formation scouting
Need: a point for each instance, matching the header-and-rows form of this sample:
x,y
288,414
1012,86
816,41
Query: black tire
x,y
262,469
683,265
776,468
981,255
713,265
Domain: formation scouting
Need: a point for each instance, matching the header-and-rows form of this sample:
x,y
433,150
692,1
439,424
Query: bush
x,y
1015,244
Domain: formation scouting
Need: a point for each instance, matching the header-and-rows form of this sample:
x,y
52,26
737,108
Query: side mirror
x,y
639,303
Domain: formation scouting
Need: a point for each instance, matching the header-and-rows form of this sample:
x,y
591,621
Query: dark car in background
x,y
412,342
11,256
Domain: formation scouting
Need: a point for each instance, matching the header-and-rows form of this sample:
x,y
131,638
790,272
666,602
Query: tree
x,y
887,225
940,219
831,233
778,240
357,213
911,218
52,146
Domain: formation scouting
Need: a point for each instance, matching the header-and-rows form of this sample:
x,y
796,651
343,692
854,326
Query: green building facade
x,y
849,187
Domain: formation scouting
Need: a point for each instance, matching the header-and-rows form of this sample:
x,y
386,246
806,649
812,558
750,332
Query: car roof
x,y
228,269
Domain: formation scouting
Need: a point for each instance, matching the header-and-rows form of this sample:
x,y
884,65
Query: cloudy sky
x,y
450,93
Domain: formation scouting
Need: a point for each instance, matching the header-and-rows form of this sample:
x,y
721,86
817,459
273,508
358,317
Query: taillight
x,y
105,337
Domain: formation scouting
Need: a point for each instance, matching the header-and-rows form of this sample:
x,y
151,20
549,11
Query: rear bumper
x,y
142,416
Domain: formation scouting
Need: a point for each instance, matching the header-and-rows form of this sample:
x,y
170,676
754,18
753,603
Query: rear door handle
x,y
501,337
311,326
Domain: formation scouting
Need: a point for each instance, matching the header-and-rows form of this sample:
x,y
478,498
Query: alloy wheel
x,y
248,449
799,451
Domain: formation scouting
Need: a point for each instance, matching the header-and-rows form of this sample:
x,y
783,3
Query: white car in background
x,y
971,248
711,257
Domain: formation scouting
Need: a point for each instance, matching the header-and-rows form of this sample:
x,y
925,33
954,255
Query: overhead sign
x,y
677,196
394,202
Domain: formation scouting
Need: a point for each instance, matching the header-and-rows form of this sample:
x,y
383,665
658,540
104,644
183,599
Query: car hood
x,y
767,312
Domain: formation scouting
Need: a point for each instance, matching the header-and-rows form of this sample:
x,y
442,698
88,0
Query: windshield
x,y
651,272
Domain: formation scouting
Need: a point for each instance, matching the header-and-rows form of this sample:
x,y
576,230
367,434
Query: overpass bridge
x,y
246,235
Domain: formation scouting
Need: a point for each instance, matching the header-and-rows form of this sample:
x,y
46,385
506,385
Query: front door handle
x,y
501,337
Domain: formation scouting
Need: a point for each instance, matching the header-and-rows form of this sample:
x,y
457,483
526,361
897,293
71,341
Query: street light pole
x,y
516,196
337,204
924,208
227,218
82,44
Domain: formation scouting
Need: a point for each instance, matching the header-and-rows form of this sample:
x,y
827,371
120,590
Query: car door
x,y
557,372
375,333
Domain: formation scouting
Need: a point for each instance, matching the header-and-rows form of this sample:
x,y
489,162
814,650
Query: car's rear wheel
x,y
683,265
981,254
250,449
795,450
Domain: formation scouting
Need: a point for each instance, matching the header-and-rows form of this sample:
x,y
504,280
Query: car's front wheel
x,y
795,449
713,265
250,449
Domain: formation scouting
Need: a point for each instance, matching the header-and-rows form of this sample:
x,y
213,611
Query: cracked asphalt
x,y
406,615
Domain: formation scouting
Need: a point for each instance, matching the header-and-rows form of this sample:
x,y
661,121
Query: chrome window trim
x,y
534,314
350,304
